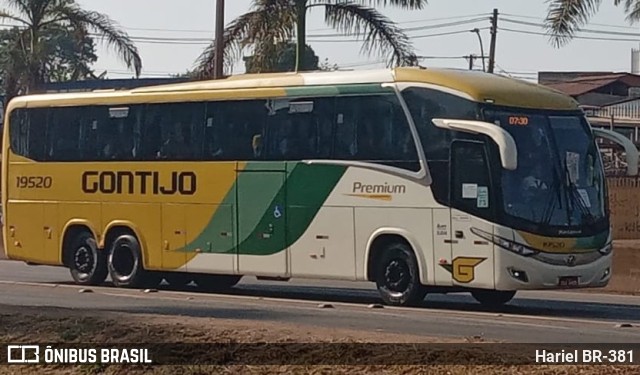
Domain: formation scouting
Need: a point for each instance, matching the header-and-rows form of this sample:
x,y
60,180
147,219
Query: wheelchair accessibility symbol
x,y
277,212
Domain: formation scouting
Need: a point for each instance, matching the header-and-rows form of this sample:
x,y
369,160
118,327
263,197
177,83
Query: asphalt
x,y
533,317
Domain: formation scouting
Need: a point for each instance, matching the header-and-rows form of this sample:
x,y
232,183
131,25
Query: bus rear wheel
x,y
126,267
87,264
493,298
398,278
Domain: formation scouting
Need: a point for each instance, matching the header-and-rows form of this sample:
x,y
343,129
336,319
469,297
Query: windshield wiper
x,y
576,197
554,193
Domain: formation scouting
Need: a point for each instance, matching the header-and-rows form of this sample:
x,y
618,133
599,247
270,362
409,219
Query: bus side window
x,y
245,121
65,126
151,141
374,129
28,131
345,134
119,135
89,136
218,133
182,126
324,114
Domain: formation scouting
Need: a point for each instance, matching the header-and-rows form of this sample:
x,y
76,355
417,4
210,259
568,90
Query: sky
x,y
518,54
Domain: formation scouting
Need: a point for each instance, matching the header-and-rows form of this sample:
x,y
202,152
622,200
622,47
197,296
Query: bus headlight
x,y
506,244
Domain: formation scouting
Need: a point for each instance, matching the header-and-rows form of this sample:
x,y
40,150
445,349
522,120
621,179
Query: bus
x,y
418,180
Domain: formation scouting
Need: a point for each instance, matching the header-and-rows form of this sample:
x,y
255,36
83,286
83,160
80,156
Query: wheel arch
x,y
72,228
382,237
116,227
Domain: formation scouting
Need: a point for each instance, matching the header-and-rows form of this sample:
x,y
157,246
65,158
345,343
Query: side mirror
x,y
629,148
504,140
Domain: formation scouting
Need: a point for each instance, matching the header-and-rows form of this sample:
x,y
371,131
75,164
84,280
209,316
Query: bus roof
x,y
477,86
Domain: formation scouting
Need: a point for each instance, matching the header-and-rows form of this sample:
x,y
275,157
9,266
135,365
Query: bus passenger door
x,y
472,256
262,220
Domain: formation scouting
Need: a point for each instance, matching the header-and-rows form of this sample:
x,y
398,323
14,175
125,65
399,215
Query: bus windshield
x,y
559,181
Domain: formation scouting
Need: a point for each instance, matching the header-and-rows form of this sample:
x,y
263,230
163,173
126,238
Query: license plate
x,y
568,282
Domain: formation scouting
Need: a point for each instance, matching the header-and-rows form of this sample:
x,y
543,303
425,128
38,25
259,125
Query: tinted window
x,y
174,131
374,129
235,130
425,105
300,129
369,128
28,132
118,130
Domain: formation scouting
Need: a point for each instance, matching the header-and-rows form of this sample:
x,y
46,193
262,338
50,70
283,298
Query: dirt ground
x,y
42,325
625,277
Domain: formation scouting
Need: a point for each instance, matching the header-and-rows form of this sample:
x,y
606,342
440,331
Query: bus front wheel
x,y
87,264
126,267
398,278
493,298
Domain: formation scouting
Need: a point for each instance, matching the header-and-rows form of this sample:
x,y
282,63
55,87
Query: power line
x,y
425,20
574,37
443,25
590,31
441,57
444,34
411,37
590,23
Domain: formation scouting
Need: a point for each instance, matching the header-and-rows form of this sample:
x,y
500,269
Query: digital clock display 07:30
x,y
519,120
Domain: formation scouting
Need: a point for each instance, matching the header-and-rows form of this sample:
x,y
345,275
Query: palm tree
x,y
38,20
273,21
565,17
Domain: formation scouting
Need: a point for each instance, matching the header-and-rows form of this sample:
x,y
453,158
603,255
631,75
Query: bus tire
x,y
178,279
216,283
493,298
126,266
87,263
398,277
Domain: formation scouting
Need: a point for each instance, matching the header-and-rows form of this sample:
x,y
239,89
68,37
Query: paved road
x,y
531,317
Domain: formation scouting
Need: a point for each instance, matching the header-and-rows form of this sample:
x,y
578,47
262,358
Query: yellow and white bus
x,y
420,180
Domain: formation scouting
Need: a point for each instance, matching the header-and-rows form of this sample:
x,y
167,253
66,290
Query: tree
x,y
31,47
67,57
272,21
282,60
565,17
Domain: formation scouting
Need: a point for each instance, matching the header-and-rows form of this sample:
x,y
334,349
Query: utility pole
x,y
494,34
218,63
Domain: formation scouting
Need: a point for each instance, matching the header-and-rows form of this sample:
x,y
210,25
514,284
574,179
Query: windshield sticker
x,y
585,197
483,197
573,166
469,191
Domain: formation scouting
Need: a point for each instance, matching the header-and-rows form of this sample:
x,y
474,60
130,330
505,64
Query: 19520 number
x,y
34,182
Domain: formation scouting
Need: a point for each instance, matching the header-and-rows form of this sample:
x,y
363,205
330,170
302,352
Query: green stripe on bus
x,y
303,191
306,189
